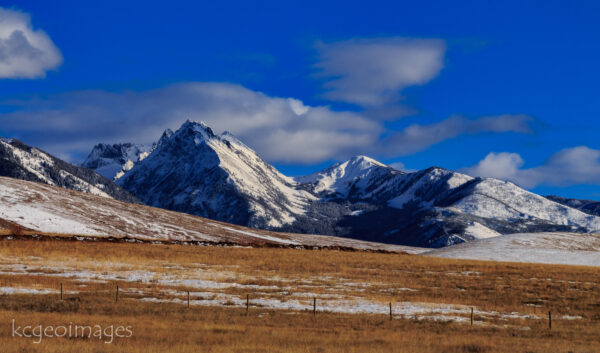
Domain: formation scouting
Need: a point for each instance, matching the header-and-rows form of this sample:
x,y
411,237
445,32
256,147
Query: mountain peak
x,y
109,160
166,135
364,162
217,176
194,128
341,177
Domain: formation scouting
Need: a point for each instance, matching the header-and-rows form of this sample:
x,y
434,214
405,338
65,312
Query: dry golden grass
x,y
174,328
168,327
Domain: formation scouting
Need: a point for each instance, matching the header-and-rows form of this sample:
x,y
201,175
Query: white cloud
x,y
24,52
401,166
372,72
501,165
279,129
418,137
571,166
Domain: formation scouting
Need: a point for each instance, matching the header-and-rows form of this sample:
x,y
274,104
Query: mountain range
x,y
196,171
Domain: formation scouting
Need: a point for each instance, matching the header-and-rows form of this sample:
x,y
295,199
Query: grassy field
x,y
431,300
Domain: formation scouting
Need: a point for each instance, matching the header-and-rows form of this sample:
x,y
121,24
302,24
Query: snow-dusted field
x,y
225,286
549,248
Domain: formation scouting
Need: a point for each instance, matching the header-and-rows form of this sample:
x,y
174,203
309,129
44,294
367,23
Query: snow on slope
x,y
34,161
551,248
493,198
248,172
50,209
443,178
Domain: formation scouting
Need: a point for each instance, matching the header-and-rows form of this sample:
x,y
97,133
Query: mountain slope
x,y
587,206
20,161
198,172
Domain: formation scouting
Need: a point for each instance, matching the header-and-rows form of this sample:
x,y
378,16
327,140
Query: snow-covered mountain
x,y
352,179
436,207
20,161
216,176
113,161
199,172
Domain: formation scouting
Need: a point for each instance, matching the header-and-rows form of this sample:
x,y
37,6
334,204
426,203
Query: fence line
x,y
314,306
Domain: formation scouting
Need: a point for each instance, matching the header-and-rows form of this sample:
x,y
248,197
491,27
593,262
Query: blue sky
x,y
503,89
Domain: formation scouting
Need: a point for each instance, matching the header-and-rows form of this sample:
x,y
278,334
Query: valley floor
x,y
431,300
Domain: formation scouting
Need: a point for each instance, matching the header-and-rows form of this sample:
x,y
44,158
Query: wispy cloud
x,y
280,129
570,166
372,72
24,52
418,137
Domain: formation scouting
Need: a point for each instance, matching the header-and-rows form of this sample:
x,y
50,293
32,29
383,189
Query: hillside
x,y
551,248
48,209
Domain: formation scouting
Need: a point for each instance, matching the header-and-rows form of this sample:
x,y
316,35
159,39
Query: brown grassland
x,y
528,289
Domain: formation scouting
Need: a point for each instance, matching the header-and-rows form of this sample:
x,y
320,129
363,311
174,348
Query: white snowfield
x,y
549,248
49,209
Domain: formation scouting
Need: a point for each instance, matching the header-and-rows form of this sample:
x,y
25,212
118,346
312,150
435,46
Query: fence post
x,y
188,299
247,303
117,294
471,316
61,291
315,306
550,320
390,311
